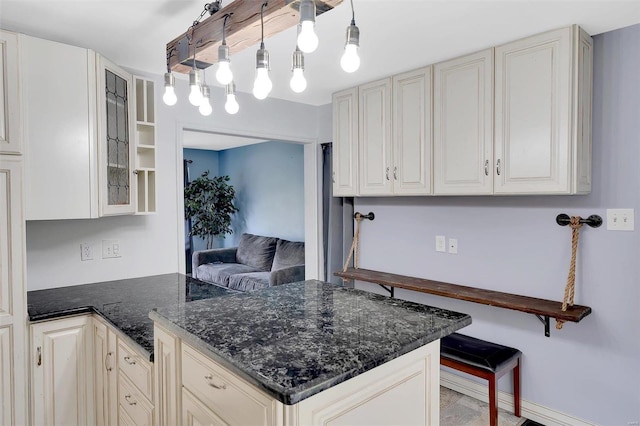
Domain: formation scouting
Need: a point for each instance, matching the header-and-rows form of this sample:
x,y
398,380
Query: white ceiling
x,y
214,141
396,35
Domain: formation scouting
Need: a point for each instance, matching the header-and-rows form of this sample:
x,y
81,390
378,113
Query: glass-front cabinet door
x,y
116,144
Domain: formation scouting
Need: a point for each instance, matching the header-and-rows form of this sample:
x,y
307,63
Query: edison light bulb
x,y
231,106
350,60
298,83
224,74
169,96
262,85
307,39
195,96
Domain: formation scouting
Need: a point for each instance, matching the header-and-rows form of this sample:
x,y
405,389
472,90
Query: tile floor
x,y
457,409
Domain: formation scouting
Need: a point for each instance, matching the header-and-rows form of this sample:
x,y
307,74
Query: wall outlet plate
x,y
86,252
441,243
453,246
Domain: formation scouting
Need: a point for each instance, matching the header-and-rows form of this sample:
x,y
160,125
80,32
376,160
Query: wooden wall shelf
x,y
542,308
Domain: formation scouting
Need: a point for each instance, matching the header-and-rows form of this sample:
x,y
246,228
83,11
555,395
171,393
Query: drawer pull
x,y
498,167
39,356
129,360
209,379
128,399
486,168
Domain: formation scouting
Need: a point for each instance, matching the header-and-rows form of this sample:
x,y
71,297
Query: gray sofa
x,y
257,262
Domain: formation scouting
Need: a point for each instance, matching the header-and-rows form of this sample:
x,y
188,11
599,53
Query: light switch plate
x,y
620,220
110,249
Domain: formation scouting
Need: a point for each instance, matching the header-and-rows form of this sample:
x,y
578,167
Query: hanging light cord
x,y
262,24
353,14
224,26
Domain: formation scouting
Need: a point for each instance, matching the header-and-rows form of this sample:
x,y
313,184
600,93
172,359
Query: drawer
x,y
136,407
136,368
229,397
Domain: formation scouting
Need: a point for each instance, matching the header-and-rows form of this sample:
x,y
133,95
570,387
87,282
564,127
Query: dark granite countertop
x,y
296,340
123,303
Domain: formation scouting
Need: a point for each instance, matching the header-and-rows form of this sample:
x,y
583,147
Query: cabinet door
x,y
62,373
10,137
115,140
463,125
374,129
195,413
60,108
166,373
345,143
105,373
13,390
412,142
533,123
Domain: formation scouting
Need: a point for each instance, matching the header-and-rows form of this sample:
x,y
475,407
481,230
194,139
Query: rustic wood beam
x,y
243,30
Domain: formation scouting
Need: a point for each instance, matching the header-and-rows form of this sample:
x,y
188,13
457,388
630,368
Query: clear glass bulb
x,y
195,96
262,85
224,74
231,106
298,83
205,107
169,96
307,39
350,60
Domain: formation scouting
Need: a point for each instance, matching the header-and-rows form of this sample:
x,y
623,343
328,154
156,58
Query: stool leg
x,y
493,401
516,389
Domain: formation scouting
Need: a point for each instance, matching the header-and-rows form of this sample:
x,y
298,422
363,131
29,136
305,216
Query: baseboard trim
x,y
530,410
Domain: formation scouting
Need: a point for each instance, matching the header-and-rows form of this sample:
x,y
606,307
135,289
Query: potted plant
x,y
209,202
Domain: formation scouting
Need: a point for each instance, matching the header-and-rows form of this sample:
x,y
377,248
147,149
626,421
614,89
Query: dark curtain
x,y
188,239
337,221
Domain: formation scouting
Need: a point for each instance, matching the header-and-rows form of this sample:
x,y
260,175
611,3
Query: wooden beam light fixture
x,y
242,30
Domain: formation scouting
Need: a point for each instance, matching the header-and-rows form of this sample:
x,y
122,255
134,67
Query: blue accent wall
x,y
269,183
202,160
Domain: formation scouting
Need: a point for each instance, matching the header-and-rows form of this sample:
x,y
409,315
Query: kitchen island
x,y
301,353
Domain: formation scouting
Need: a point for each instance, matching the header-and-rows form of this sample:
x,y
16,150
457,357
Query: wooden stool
x,y
483,359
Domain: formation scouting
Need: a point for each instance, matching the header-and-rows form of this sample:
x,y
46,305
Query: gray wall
x,y
589,370
269,183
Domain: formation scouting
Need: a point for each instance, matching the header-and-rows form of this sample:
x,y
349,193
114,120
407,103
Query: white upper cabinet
x,y
463,125
412,131
543,114
115,139
374,135
345,143
59,103
10,139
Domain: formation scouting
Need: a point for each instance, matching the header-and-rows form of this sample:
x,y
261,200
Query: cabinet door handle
x,y
395,172
135,172
386,173
107,361
209,379
129,360
39,356
498,167
128,399
333,177
486,168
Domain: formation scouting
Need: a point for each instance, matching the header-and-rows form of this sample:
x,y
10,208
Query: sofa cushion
x,y
249,281
256,251
219,273
288,253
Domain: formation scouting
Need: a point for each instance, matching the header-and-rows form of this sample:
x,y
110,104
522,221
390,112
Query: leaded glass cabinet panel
x,y
116,147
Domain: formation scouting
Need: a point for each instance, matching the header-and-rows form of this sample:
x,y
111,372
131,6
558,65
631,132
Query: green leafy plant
x,y
209,202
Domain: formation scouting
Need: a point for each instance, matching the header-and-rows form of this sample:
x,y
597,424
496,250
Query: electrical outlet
x,y
441,243
620,220
86,252
110,249
453,246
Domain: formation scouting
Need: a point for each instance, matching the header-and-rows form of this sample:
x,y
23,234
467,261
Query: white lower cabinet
x,y
402,391
62,379
83,373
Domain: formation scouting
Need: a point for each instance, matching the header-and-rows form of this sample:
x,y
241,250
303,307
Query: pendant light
x,y
195,94
298,83
350,60
307,38
169,97
224,74
231,106
262,85
205,104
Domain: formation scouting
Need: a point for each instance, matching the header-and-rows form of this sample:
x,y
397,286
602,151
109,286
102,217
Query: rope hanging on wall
x,y
355,244
569,289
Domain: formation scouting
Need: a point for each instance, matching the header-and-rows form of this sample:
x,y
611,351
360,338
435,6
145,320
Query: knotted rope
x,y
570,288
355,245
